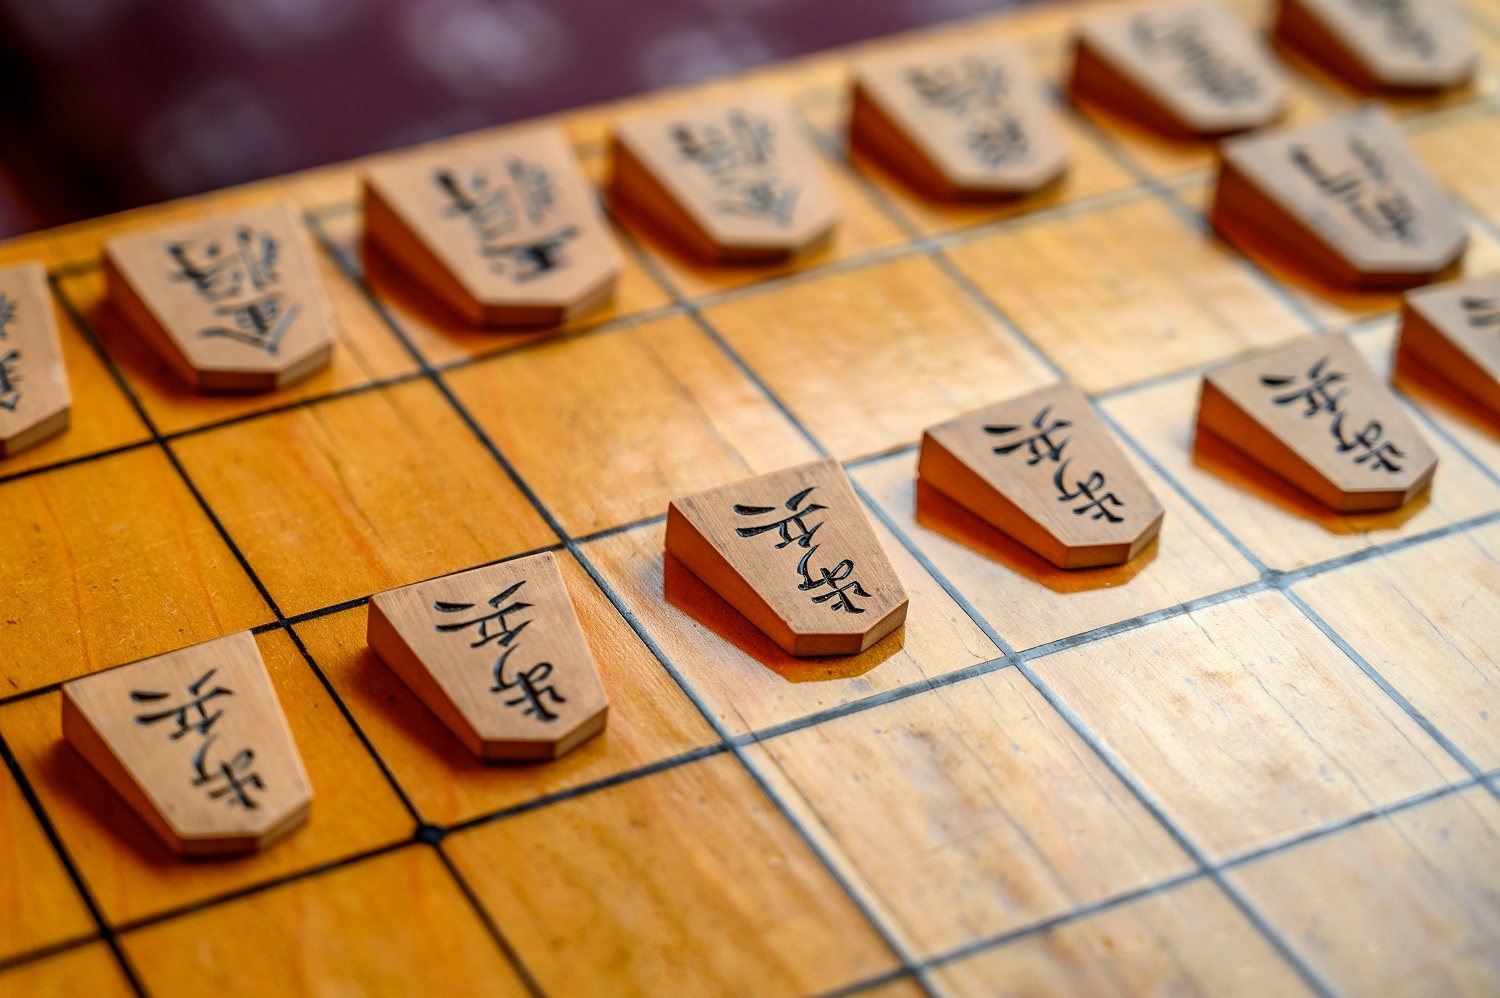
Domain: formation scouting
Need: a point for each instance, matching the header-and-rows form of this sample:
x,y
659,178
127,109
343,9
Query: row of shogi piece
x,y
507,232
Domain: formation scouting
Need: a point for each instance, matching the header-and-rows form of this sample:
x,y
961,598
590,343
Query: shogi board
x,y
1258,759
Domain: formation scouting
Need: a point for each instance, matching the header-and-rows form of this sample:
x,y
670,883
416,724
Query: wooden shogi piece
x,y
1314,414
959,122
232,303
1385,45
737,182
1185,69
35,400
1044,469
498,655
795,554
503,228
1452,331
196,742
1346,198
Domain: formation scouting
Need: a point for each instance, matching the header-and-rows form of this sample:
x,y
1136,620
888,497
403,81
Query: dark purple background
x,y
112,103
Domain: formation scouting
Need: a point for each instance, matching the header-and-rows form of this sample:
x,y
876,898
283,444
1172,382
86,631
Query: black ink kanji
x,y
194,708
1314,390
803,533
839,590
741,161
502,632
1380,458
532,259
218,275
7,315
10,380
1041,444
1087,489
260,322
1203,63
1366,192
532,687
234,783
1481,312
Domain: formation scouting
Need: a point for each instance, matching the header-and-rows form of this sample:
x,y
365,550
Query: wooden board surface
x,y
1260,758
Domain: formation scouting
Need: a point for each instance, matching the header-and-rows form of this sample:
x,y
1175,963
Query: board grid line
x,y
684,304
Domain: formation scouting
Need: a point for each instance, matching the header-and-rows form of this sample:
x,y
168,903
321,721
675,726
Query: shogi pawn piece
x,y
795,554
1043,468
232,303
1381,45
959,122
1346,198
196,742
35,401
498,655
503,228
1453,332
733,183
1315,414
1186,70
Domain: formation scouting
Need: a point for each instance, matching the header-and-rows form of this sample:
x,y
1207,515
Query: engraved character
x,y
1087,490
190,716
1204,66
1380,458
741,161
1314,390
491,211
490,626
1481,312
260,322
218,275
1040,443
532,686
232,781
7,315
534,259
976,91
839,590
10,380
1403,26
791,529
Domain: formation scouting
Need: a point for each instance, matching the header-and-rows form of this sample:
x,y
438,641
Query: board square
x,y
90,970
357,495
1190,938
664,849
743,677
1424,619
132,875
419,935
1145,293
1280,525
993,844
1416,904
82,593
865,373
1028,600
364,350
650,720
45,907
1246,723
654,411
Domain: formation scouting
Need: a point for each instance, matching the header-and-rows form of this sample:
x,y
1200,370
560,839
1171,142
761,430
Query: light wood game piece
x,y
505,229
1316,415
959,122
1184,69
498,655
795,554
196,742
1347,197
1043,468
1381,45
735,182
232,303
35,401
1453,331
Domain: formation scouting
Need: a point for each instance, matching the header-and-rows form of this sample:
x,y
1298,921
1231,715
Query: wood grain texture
x,y
295,939
46,908
90,970
35,400
701,901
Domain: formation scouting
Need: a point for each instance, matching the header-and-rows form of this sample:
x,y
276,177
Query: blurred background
x,y
108,104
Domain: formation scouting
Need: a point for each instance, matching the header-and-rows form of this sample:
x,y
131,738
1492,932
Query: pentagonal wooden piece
x,y
498,654
793,552
1044,469
1453,331
1381,44
1316,415
1184,69
35,401
196,742
734,183
504,228
1346,198
967,121
232,303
